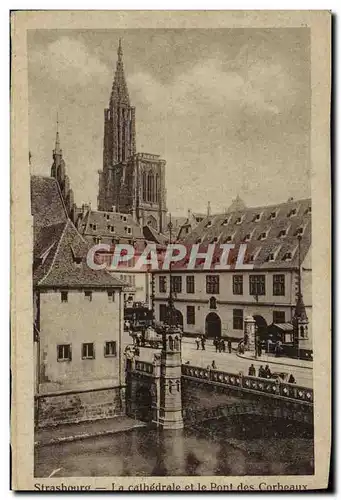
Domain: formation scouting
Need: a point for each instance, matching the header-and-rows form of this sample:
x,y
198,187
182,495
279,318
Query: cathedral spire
x,y
119,91
57,150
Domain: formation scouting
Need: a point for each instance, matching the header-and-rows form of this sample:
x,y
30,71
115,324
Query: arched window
x,y
149,186
153,189
144,186
157,188
177,343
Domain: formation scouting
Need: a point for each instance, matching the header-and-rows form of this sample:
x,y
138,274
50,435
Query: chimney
x,y
113,208
208,208
189,213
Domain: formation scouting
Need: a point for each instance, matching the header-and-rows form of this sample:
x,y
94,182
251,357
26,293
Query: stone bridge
x,y
210,394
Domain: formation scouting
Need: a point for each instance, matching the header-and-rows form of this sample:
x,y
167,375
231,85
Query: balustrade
x,y
267,386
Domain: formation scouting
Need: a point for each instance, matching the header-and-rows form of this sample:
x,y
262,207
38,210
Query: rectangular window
x,y
278,284
279,317
237,284
64,296
110,349
190,284
88,296
257,284
190,315
163,312
212,284
88,351
111,296
238,319
162,284
176,282
64,352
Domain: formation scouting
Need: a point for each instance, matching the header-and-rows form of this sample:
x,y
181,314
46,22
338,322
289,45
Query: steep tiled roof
x,y
109,225
65,265
47,206
270,233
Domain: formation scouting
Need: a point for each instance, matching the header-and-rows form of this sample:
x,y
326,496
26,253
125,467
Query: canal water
x,y
245,447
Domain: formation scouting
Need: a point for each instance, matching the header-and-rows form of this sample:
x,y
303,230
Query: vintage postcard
x,y
171,284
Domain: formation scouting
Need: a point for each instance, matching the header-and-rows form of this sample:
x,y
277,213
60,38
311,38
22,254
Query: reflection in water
x,y
245,446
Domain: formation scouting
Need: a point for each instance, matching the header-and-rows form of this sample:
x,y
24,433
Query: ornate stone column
x,y
250,333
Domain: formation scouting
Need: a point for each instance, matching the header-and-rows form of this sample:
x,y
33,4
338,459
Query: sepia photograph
x,y
171,195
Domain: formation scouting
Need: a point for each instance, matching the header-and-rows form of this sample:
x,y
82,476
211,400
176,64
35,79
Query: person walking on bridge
x,y
252,370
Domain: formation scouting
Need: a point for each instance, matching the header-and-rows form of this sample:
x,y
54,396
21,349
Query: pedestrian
x,y
197,341
252,370
214,366
229,345
267,371
215,343
223,345
259,348
261,373
291,379
203,341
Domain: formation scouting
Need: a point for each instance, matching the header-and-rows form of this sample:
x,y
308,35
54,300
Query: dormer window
x,y
94,227
257,218
254,256
228,239
292,212
282,233
239,220
247,237
97,240
273,255
226,221
273,215
299,231
308,211
262,236
124,218
214,240
198,240
287,256
209,223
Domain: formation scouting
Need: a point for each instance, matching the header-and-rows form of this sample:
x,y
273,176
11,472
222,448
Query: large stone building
x,y
133,183
216,302
78,319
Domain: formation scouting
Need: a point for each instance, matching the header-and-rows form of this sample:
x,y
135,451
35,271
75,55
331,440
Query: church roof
x,y
269,232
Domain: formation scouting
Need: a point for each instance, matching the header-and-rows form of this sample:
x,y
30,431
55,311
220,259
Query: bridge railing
x,y
249,384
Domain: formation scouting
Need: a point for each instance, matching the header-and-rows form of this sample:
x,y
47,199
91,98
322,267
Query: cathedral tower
x,y
130,182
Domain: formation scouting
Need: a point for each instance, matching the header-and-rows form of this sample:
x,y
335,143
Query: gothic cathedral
x,y
130,182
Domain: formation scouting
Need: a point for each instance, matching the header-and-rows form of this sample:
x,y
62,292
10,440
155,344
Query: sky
x,y
228,109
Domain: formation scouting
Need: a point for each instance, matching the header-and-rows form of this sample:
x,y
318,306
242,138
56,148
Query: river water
x,y
244,447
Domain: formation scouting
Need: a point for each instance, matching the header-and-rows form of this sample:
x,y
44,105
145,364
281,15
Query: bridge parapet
x,y
245,383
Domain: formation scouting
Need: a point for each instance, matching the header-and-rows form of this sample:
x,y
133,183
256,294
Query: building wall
x,y
75,322
139,285
226,301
